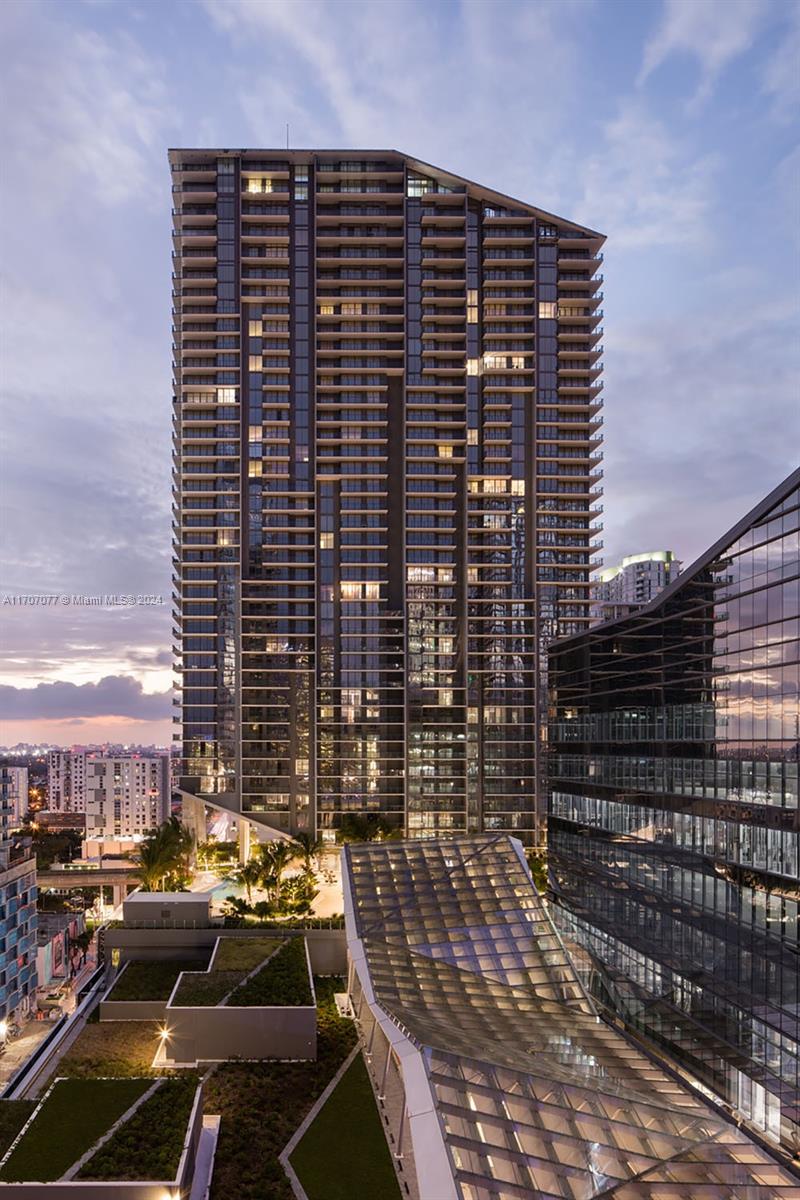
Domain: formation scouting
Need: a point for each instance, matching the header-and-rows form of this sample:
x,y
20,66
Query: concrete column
x,y
244,840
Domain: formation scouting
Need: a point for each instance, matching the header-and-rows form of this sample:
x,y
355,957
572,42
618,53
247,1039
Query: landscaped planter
x,y
118,1003
327,947
217,1031
119,1151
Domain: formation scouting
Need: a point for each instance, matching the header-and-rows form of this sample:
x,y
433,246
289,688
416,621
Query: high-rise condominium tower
x,y
387,453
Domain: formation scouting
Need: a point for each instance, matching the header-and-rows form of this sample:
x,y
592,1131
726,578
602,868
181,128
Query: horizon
x,y
668,131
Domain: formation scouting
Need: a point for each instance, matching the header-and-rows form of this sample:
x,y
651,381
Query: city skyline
x,y
677,144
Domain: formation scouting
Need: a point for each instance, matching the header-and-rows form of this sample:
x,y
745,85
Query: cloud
x,y
782,71
113,696
712,33
431,80
650,186
705,422
89,111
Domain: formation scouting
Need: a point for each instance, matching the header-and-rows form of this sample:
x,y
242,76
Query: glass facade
x,y
387,452
496,1077
673,814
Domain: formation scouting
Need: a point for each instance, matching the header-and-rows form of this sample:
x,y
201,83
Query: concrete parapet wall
x,y
327,947
217,1033
132,1010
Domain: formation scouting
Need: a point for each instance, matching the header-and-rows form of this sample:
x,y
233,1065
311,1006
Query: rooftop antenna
x,y
287,135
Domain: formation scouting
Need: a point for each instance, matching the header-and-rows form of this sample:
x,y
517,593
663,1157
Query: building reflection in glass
x,y
673,814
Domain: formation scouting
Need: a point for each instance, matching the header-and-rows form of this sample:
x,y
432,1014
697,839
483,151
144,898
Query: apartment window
x,y
472,366
326,310
547,310
255,328
472,437
445,450
326,541
418,185
472,306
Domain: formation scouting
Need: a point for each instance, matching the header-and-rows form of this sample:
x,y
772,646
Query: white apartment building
x,y
66,781
14,784
633,582
126,795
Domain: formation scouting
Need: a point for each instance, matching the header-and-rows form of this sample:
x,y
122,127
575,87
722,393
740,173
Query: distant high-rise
x,y
635,581
387,464
66,781
119,794
126,794
673,816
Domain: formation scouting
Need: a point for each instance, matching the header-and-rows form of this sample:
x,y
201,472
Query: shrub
x,y
283,980
206,988
75,1114
149,1145
13,1115
243,954
152,980
262,1104
112,1049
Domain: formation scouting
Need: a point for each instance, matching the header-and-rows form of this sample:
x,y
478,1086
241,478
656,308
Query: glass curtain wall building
x,y
673,814
387,478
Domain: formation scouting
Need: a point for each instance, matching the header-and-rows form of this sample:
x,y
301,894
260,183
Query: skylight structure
x,y
497,1078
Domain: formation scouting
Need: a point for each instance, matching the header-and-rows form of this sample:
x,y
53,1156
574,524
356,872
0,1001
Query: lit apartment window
x,y
254,328
326,541
472,437
547,310
472,366
418,185
326,310
472,306
445,450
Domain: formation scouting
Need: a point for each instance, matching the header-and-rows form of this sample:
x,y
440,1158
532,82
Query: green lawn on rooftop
x,y
76,1113
344,1152
243,954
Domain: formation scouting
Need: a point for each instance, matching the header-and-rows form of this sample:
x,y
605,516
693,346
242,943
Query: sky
x,y
670,125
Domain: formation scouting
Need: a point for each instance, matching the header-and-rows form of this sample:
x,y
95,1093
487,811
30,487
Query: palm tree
x,y
250,876
309,849
154,860
164,852
275,858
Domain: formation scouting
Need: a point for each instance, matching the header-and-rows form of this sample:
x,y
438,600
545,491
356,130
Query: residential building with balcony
x,y
17,918
66,781
126,795
14,781
387,465
631,583
673,815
